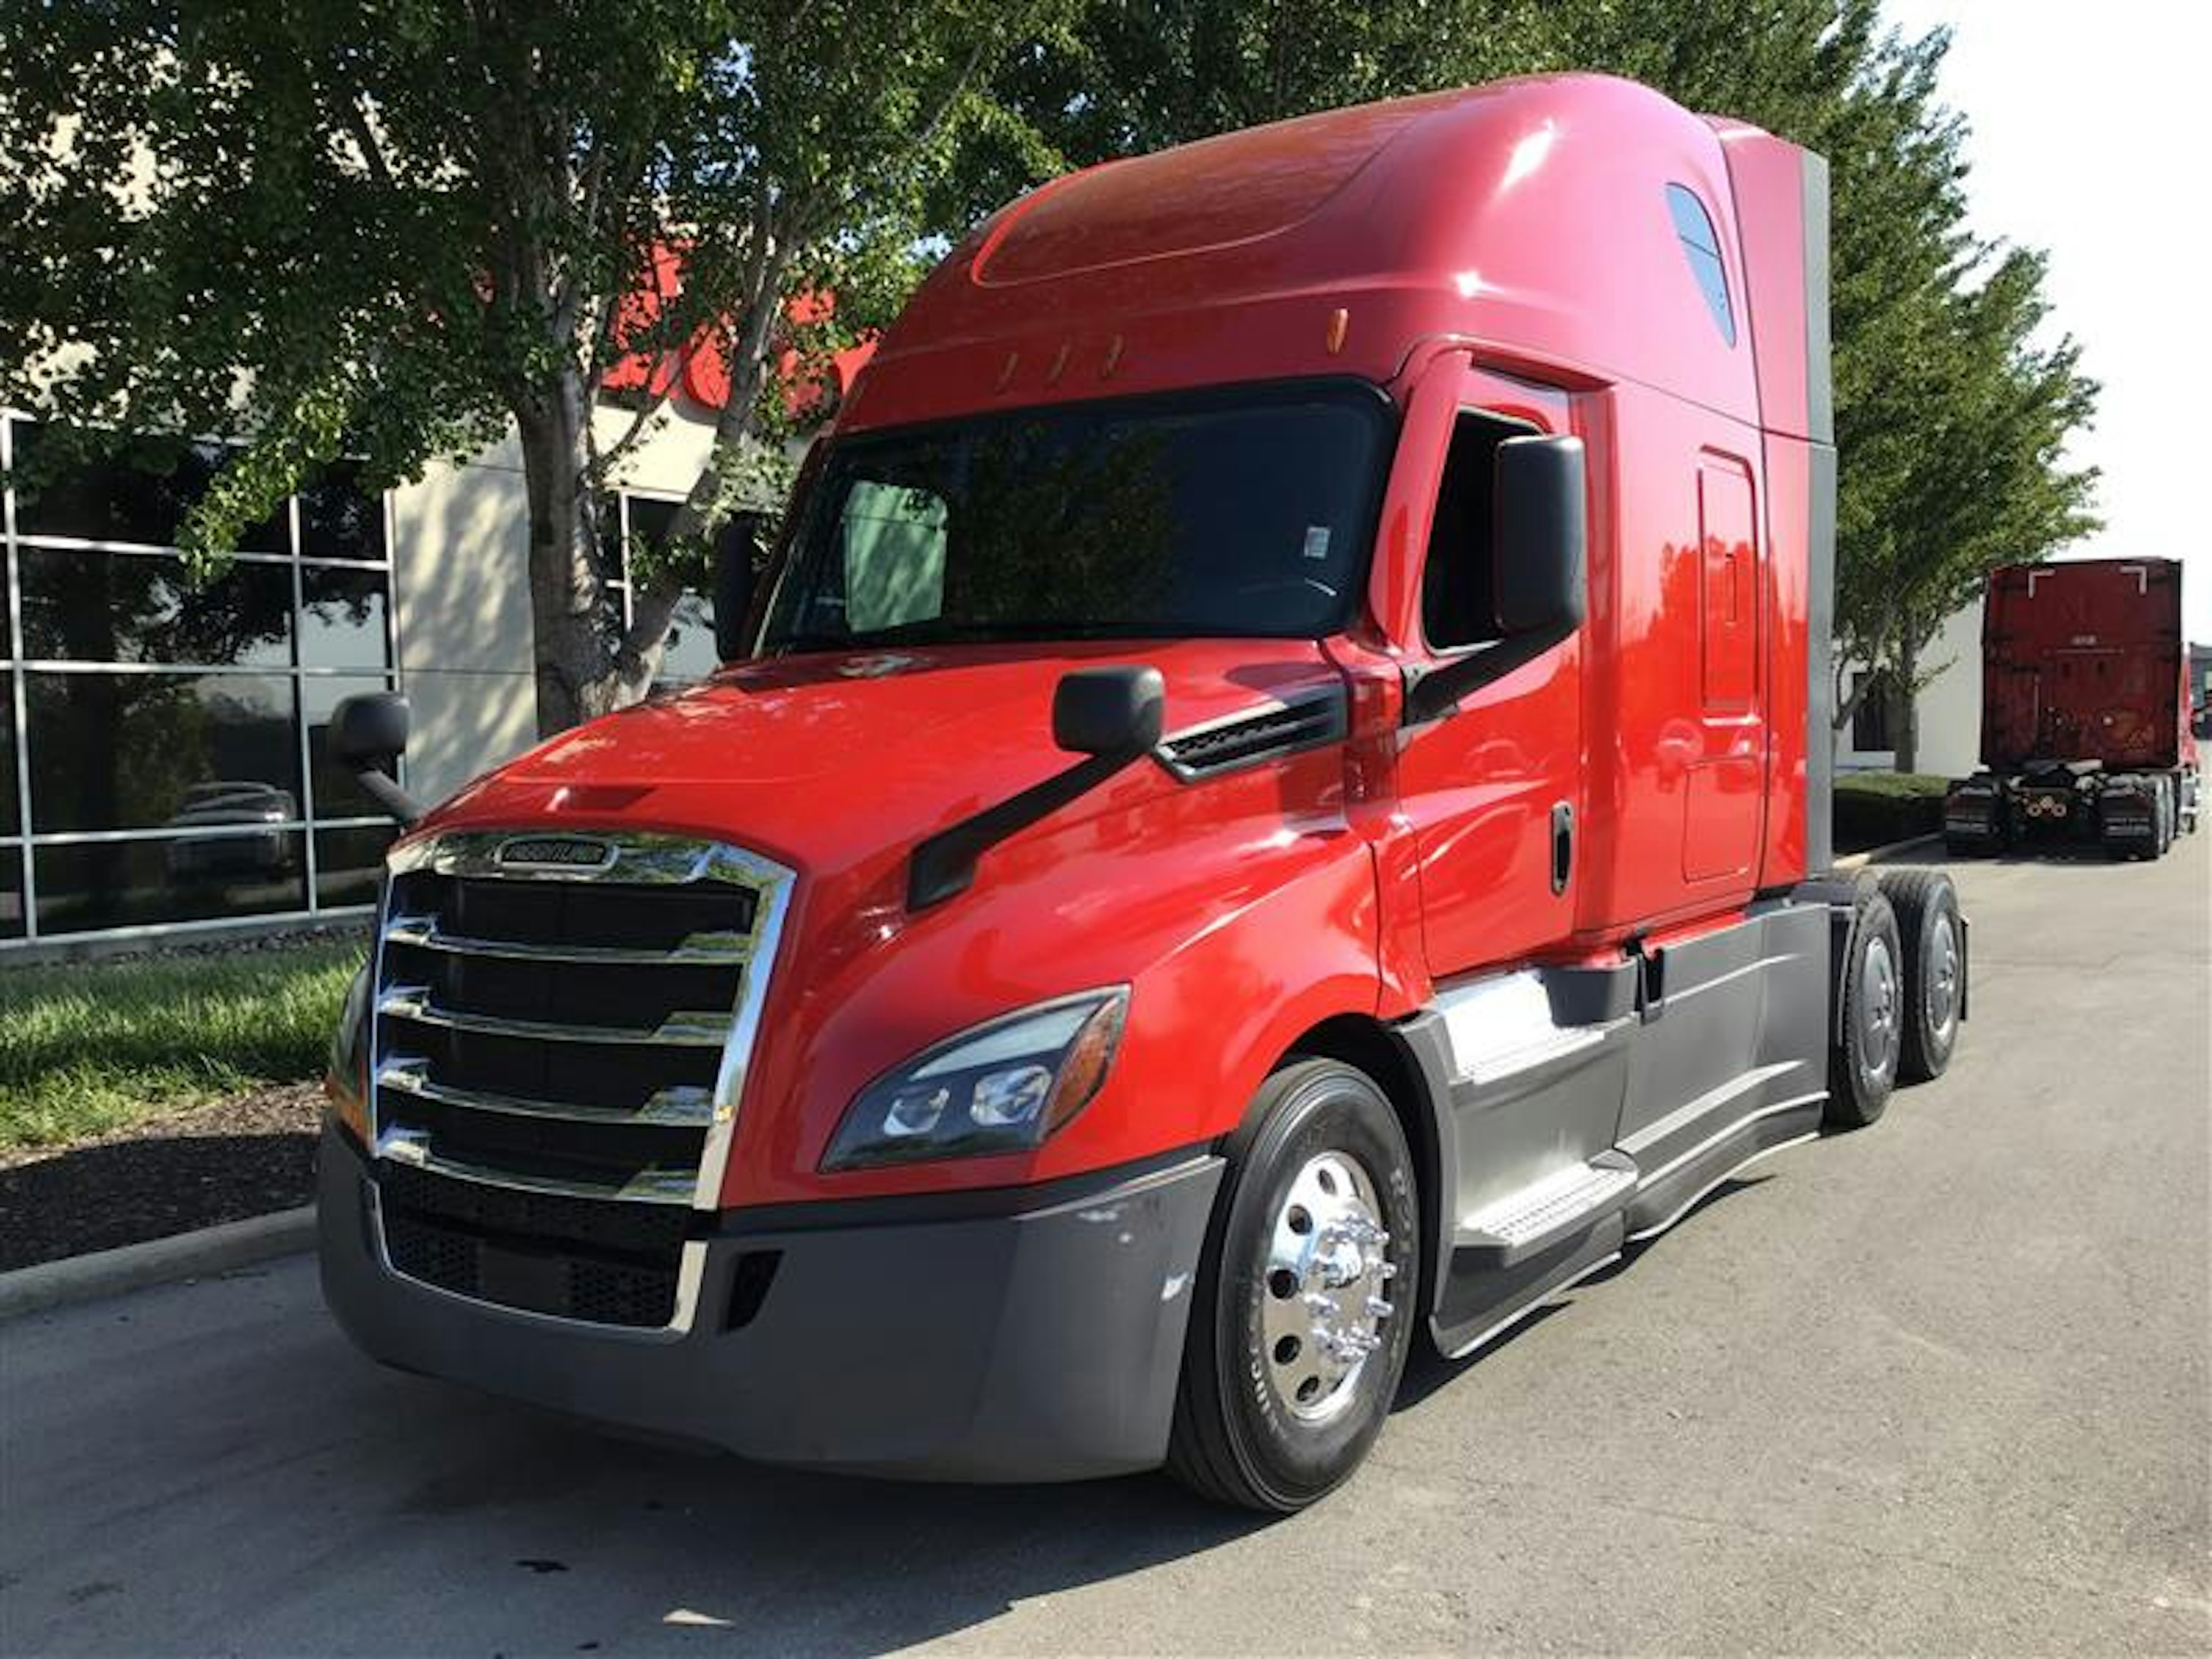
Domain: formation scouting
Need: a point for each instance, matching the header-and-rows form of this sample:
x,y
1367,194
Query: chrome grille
x,y
559,1051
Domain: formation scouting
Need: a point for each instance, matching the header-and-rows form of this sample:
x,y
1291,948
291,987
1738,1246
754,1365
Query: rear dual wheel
x,y
1306,1294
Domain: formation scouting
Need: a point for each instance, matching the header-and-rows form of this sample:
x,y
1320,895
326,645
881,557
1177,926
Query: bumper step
x,y
1546,1211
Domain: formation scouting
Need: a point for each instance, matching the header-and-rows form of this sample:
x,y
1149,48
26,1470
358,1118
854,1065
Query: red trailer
x,y
2085,731
1276,799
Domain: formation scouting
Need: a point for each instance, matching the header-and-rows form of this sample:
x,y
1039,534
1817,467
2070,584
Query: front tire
x,y
1307,1295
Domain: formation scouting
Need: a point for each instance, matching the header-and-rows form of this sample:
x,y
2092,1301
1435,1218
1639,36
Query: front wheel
x,y
1306,1297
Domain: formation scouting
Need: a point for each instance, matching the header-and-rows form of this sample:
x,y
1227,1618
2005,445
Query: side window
x,y
1703,250
1456,607
894,545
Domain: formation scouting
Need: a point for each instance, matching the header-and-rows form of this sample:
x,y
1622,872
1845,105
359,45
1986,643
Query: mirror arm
x,y
1433,693
398,804
945,864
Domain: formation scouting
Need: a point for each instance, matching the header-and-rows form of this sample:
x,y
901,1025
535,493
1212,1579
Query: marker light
x,y
1001,1087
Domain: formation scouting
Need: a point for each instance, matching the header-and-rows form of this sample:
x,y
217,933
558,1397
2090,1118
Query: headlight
x,y
346,1084
1001,1087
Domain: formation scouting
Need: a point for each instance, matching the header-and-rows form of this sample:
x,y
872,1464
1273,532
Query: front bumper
x,y
900,1338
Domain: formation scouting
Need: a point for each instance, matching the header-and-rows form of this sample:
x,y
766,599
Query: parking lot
x,y
1939,1386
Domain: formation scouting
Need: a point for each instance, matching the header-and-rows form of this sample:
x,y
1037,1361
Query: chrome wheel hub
x,y
1878,994
1324,1275
1943,978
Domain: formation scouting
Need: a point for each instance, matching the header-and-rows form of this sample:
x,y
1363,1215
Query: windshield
x,y
1248,515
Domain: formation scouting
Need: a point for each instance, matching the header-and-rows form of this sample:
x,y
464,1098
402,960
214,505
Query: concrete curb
x,y
1883,854
157,1261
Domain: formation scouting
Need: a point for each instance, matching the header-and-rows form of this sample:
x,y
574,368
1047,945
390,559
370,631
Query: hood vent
x,y
1305,720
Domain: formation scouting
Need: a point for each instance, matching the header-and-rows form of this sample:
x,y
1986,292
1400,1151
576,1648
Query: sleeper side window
x,y
1694,226
1457,603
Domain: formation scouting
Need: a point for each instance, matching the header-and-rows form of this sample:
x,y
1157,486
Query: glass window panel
x,y
350,863
130,751
690,653
338,520
141,496
121,884
11,811
336,793
342,618
11,891
80,606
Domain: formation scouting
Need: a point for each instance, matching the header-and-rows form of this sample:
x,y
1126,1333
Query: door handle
x,y
1563,846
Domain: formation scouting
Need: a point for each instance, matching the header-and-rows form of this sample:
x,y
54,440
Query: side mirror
x,y
368,734
1539,535
1107,711
1109,715
370,730
734,549
1540,556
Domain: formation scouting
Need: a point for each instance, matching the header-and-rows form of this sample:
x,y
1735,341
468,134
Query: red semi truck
x,y
2086,732
1275,798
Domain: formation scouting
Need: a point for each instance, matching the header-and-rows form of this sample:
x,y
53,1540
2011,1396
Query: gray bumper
x,y
1037,1345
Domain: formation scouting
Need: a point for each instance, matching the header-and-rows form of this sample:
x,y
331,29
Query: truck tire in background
x,y
1870,1026
1289,1368
1934,944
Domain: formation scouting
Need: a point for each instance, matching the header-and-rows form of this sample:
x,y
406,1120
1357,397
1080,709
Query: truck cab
x,y
1273,801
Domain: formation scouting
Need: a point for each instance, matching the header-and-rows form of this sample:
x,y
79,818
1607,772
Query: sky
x,y
2089,140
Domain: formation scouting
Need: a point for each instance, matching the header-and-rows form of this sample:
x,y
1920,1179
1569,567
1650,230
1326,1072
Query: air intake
x,y
1304,720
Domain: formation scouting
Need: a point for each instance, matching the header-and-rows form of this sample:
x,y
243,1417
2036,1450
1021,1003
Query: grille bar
x,y
652,1186
679,1104
696,949
688,1028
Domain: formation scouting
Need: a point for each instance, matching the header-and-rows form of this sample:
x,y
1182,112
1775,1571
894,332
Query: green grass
x,y
86,1047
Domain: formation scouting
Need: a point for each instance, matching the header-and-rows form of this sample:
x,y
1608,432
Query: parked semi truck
x,y
2086,730
1274,800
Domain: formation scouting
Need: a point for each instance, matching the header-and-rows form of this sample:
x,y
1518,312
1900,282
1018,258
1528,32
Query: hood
x,y
824,760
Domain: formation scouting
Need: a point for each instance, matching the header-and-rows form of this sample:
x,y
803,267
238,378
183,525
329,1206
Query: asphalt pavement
x,y
1937,1386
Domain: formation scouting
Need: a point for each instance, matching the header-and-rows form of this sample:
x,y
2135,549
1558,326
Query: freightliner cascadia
x,y
1274,798
2084,712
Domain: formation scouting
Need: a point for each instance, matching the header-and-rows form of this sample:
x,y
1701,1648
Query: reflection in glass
x,y
117,884
338,521
142,607
341,617
10,808
350,863
11,890
337,793
122,501
125,751
690,653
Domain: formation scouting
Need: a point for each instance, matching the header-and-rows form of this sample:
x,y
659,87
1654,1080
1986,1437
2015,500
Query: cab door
x,y
1493,793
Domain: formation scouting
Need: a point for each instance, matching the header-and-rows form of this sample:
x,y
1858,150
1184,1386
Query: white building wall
x,y
461,588
1948,709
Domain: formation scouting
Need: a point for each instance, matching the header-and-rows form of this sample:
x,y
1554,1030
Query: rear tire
x,y
1862,1064
1288,1372
1932,943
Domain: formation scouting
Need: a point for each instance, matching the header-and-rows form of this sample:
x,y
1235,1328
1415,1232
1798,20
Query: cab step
x,y
1540,1214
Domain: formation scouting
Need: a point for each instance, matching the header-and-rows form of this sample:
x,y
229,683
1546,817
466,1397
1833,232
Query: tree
x,y
1952,416
396,229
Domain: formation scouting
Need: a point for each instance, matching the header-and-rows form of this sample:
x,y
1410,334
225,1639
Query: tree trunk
x,y
567,601
1903,713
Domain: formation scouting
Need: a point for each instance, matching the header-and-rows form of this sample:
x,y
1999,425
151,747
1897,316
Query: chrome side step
x,y
1524,1222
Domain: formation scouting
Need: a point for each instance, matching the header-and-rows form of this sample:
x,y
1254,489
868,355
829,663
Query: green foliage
x,y
1879,809
396,229
86,1047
